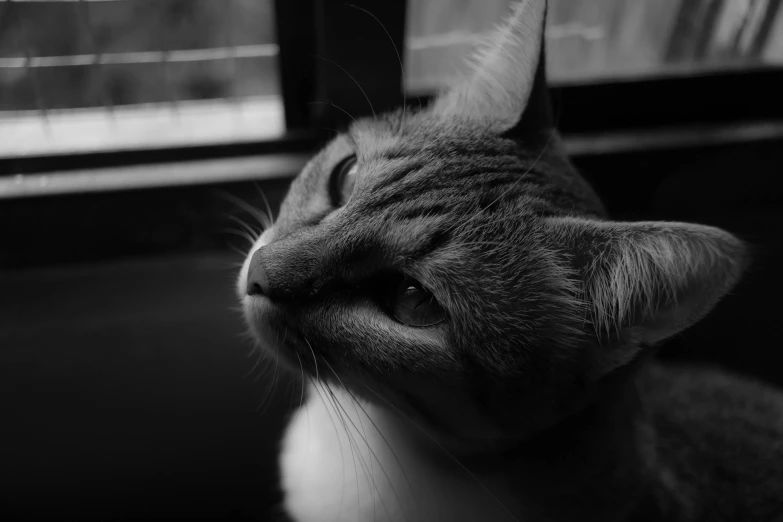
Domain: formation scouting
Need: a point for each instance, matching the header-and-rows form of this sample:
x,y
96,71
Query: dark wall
x,y
128,393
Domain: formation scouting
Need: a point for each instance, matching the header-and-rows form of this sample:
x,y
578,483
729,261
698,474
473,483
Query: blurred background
x,y
134,133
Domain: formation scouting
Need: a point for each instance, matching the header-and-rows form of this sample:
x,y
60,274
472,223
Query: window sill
x,y
278,165
158,126
198,172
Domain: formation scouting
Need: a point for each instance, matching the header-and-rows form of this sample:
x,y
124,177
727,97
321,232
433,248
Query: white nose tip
x,y
265,238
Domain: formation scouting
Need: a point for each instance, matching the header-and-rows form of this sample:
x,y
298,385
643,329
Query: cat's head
x,y
451,262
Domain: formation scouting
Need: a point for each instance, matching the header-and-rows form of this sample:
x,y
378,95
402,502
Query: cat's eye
x,y
413,305
342,181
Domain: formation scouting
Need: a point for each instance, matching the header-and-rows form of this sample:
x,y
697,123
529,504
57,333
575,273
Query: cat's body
x,y
693,445
382,470
477,335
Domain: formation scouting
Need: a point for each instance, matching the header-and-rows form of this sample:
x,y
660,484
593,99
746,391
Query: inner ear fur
x,y
505,71
647,281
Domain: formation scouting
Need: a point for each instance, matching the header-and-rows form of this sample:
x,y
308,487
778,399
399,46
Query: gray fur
x,y
543,370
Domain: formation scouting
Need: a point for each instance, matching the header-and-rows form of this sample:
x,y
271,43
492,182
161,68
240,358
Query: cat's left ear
x,y
508,79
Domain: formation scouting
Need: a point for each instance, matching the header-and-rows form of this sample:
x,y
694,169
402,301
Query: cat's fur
x,y
537,399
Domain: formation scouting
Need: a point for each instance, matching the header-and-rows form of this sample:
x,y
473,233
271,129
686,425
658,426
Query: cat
x,y
476,337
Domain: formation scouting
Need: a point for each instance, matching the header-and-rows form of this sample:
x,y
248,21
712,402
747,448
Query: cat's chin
x,y
271,326
462,433
263,321
462,430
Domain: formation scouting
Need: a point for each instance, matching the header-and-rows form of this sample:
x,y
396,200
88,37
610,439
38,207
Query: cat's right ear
x,y
508,75
643,282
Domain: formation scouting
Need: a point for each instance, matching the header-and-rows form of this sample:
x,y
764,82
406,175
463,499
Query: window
x,y
85,76
152,78
93,75
182,97
602,40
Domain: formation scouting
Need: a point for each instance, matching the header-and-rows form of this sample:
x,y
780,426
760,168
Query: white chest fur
x,y
349,462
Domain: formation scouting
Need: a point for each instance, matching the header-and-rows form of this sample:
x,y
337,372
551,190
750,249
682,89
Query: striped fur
x,y
539,380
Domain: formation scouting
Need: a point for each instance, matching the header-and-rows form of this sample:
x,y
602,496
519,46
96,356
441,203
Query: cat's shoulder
x,y
719,438
703,393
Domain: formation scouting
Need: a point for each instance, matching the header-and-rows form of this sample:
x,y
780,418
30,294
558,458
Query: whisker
x,y
328,102
268,208
301,367
352,79
340,445
251,351
364,432
342,459
236,250
250,230
399,60
388,445
351,444
262,218
343,414
377,429
290,392
315,360
247,334
307,413
447,452
355,409
238,233
270,389
261,356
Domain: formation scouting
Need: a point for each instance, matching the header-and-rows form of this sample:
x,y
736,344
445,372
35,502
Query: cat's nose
x,y
257,277
283,271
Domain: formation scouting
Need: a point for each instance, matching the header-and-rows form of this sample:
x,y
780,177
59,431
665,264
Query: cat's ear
x,y
505,71
643,282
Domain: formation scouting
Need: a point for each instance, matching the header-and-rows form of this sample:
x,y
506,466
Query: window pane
x,y
601,39
102,55
70,87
